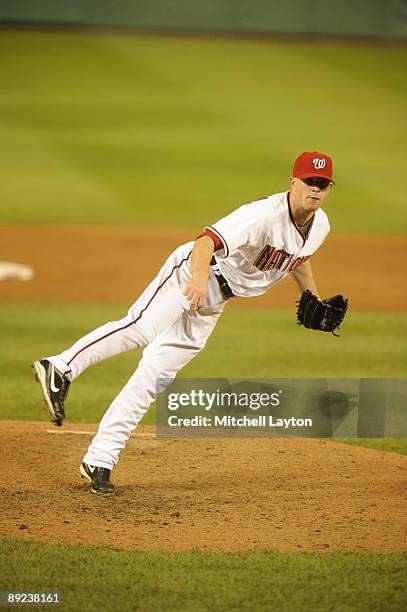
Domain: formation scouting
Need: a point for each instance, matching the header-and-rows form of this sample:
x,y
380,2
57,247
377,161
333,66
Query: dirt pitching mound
x,y
223,494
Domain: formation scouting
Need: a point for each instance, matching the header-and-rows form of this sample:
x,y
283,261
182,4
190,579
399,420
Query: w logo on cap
x,y
318,163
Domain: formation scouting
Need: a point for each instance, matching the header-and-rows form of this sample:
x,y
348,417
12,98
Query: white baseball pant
x,y
162,321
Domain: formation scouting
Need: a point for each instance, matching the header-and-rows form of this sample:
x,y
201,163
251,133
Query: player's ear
x,y
292,181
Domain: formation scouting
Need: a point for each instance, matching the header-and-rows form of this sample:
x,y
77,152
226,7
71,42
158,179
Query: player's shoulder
x,y
270,205
321,219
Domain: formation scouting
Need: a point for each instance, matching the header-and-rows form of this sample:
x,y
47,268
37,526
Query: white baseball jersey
x,y
261,244
256,246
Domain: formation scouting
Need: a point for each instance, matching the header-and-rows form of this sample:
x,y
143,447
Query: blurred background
x,y
127,126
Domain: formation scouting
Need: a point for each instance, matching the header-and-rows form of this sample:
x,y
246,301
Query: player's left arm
x,y
304,278
314,313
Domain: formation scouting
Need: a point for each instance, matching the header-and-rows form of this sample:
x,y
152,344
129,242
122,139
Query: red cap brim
x,y
311,174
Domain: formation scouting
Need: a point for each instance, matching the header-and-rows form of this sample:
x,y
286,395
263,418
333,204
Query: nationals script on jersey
x,y
260,243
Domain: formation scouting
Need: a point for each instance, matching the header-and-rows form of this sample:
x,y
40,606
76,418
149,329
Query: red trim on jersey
x,y
217,241
219,235
138,318
304,239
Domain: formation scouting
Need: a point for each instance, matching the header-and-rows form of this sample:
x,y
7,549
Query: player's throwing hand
x,y
196,291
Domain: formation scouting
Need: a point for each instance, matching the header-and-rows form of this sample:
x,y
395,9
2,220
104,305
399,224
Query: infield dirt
x,y
114,264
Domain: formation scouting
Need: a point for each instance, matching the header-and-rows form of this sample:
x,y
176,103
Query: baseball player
x,y
243,254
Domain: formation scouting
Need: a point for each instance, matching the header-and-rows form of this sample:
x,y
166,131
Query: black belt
x,y
225,290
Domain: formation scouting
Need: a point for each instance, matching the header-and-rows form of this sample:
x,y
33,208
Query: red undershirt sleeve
x,y
217,241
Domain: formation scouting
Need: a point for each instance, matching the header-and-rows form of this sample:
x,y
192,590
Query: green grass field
x,y
168,131
199,582
121,129
280,350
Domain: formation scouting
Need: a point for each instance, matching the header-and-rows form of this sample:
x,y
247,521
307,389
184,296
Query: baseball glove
x,y
325,315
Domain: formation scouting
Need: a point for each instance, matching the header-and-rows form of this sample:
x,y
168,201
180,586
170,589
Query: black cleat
x,y
98,477
54,386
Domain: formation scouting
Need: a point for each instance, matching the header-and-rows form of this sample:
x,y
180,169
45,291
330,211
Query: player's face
x,y
310,197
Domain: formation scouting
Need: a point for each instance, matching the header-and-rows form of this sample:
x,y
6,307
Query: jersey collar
x,y
304,239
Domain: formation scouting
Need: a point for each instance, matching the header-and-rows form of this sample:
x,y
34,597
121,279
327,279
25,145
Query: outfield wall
x,y
350,18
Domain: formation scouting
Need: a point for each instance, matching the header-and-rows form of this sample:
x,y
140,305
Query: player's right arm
x,y
196,289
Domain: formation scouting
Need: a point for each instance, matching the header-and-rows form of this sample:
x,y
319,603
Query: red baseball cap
x,y
313,163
